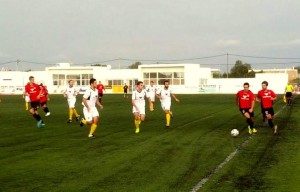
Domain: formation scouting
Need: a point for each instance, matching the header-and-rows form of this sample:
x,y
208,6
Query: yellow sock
x,y
83,121
137,123
26,106
168,117
75,112
93,128
151,106
70,114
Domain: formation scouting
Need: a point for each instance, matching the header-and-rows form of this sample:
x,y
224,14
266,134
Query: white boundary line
x,y
227,159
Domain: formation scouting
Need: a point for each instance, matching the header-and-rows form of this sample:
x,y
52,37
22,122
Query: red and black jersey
x,y
33,90
245,99
44,94
100,88
265,96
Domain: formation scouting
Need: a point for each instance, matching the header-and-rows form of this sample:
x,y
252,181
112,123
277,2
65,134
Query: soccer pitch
x,y
60,156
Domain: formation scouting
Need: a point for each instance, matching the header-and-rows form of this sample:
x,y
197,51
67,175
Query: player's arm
x,y
258,99
237,101
99,104
173,95
274,96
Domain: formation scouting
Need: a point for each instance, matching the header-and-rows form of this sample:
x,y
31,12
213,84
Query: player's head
x,y
246,86
151,82
139,85
71,83
93,83
264,85
31,79
166,83
41,84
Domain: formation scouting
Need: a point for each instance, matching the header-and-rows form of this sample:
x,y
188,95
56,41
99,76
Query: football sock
x,y
83,121
75,112
151,106
168,118
93,128
70,114
137,123
270,121
37,117
26,106
250,123
46,110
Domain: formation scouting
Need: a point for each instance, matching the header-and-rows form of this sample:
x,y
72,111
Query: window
x,y
79,79
175,78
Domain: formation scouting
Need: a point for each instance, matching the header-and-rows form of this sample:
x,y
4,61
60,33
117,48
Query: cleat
x,y
77,118
40,124
69,121
167,126
91,136
254,130
137,130
81,124
275,129
47,114
249,130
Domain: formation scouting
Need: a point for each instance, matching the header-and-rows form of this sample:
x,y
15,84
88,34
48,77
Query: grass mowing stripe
x,y
198,186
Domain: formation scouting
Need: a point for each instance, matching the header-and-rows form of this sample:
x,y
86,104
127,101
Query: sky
x,y
214,33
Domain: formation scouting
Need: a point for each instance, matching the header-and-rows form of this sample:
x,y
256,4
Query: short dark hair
x,y
31,77
139,82
92,80
165,81
246,84
265,82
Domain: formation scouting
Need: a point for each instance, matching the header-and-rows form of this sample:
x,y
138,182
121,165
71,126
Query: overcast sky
x,y
88,31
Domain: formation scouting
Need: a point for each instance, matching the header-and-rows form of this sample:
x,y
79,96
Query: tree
x,y
241,70
298,69
134,65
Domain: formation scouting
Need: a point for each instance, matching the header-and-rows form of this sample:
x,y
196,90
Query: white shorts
x,y
27,99
71,103
166,105
89,115
152,97
140,110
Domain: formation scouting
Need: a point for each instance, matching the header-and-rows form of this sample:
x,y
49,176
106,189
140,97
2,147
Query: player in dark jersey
x,y
266,97
44,97
100,88
246,101
33,91
125,88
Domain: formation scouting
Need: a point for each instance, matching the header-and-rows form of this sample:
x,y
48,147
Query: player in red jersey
x,y
33,91
44,97
100,88
245,100
266,97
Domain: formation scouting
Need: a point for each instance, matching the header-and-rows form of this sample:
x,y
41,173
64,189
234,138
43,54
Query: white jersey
x,y
165,94
71,92
91,96
151,89
139,97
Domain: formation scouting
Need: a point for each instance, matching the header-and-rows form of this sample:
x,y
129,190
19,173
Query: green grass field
x,y
60,156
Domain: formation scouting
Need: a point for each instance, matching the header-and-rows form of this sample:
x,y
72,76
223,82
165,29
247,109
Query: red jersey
x,y
245,99
265,96
44,94
100,88
33,90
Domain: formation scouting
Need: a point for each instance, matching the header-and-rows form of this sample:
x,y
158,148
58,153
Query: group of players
x,y
245,100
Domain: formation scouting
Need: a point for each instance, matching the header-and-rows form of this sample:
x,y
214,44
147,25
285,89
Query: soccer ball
x,y
234,132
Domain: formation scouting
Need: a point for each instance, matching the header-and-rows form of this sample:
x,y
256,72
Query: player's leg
x,y
95,120
34,112
45,109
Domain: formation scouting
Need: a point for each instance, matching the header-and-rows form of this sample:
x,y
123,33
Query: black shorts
x,y
243,111
125,91
34,105
267,111
100,95
288,94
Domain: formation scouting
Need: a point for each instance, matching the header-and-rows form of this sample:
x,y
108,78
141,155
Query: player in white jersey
x,y
91,114
138,105
165,95
70,93
151,89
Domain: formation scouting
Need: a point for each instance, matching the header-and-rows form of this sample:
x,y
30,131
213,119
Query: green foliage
x,y
240,70
134,65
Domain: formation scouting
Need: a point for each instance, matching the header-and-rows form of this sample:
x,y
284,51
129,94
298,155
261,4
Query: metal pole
x,y
227,65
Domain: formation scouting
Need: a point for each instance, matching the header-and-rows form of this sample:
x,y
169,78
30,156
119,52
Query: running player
x,y
33,91
100,88
288,91
44,97
165,95
91,114
138,105
266,97
151,89
70,93
245,100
